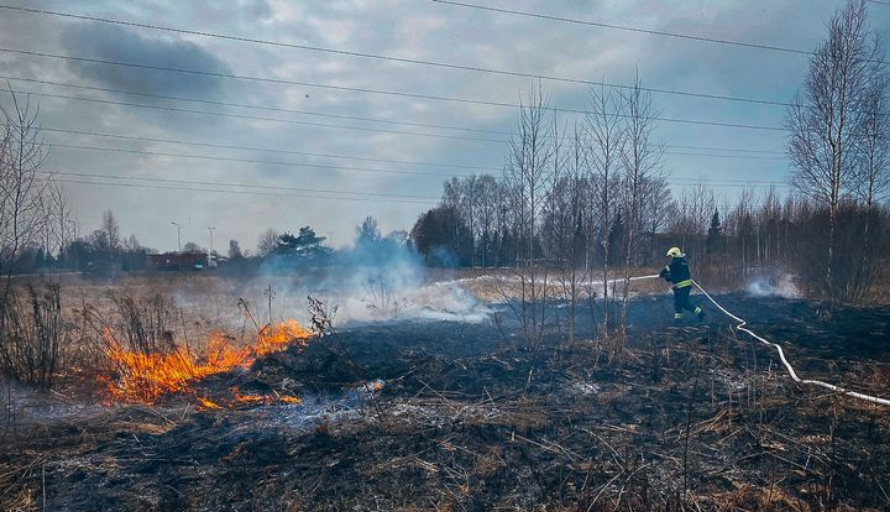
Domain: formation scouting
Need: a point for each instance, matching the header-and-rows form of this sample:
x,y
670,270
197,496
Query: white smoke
x,y
381,282
765,287
419,302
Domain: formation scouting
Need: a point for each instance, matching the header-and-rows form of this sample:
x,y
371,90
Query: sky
x,y
271,136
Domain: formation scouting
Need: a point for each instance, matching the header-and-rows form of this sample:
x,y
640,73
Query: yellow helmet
x,y
674,252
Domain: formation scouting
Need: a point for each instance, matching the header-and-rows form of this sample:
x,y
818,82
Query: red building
x,y
178,261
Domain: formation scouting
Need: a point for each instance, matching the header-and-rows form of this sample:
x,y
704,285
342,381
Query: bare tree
x,y
564,227
489,203
767,226
34,211
527,175
469,211
30,322
267,242
22,192
658,207
62,229
112,236
873,180
688,226
461,196
367,232
112,230
607,136
641,158
739,225
825,121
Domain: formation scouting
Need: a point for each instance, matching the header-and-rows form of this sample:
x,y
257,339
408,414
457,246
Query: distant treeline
x,y
475,226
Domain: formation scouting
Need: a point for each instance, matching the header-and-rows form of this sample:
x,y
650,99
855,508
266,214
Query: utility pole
x,y
178,237
270,293
210,254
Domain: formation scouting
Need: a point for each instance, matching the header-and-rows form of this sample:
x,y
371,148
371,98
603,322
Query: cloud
x,y
424,30
104,42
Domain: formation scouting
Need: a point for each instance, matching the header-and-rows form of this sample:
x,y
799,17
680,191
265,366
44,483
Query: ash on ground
x,y
475,417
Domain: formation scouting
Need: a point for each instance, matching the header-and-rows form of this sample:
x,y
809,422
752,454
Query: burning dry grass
x,y
240,400
691,420
146,377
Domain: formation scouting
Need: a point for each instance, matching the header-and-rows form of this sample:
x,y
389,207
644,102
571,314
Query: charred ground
x,y
444,416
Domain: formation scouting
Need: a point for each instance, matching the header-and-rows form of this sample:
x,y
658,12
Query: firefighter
x,y
677,273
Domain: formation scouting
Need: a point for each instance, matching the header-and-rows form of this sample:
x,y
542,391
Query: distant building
x,y
178,261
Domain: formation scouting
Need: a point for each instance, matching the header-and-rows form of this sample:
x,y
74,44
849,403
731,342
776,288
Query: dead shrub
x,y
852,270
140,324
32,332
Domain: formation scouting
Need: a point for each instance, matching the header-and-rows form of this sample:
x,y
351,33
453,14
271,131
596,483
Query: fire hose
x,y
741,327
831,387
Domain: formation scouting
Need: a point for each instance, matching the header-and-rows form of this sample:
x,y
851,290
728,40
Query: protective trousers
x,y
681,302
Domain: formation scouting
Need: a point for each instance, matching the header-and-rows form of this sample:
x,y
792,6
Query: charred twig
x,y
618,458
557,449
244,306
689,430
602,490
323,327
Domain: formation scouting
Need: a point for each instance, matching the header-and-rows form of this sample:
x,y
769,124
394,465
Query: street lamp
x,y
178,237
210,254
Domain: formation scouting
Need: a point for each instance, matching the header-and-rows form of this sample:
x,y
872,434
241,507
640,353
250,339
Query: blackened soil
x,y
448,416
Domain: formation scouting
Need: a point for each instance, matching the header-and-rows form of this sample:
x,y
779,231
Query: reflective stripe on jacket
x,y
677,273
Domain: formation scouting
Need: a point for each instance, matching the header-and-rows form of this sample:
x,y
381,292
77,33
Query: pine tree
x,y
714,242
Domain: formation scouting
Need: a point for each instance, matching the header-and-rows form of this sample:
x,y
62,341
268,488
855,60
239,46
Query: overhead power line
x,y
275,81
733,150
151,184
179,188
711,155
252,107
280,163
740,185
236,185
390,58
338,116
708,182
257,118
359,169
264,150
627,28
350,89
244,160
248,148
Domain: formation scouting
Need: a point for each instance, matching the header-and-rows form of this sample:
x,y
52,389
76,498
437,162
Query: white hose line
x,y
741,327
619,280
638,278
832,387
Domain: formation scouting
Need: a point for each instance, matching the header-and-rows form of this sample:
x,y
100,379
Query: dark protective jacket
x,y
677,273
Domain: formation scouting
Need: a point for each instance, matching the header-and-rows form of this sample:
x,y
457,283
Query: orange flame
x,y
143,378
247,400
207,404
275,338
264,399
